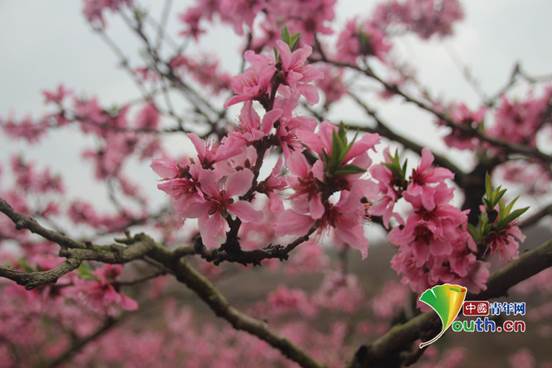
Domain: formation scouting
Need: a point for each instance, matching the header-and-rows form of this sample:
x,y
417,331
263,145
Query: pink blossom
x,y
100,294
296,74
331,85
219,201
505,243
56,96
210,152
423,17
461,115
255,82
361,40
424,174
148,117
94,9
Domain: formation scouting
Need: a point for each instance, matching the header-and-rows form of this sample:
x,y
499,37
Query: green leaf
x,y
474,232
284,35
515,214
25,265
85,272
349,169
290,39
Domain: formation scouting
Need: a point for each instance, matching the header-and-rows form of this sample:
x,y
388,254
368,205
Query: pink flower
x,y
296,74
148,117
424,17
255,82
505,243
94,9
284,300
361,40
219,202
100,294
57,96
345,218
461,115
251,127
522,359
211,152
424,174
332,85
340,292
306,183
321,143
388,193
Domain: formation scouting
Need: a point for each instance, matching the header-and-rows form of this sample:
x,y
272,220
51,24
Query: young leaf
x,y
349,169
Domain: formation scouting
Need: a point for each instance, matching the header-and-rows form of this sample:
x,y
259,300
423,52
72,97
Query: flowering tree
x,y
270,184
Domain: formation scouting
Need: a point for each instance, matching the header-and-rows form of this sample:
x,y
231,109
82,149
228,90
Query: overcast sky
x,y
44,43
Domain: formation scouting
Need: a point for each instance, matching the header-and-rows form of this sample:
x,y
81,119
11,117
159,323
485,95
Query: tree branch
x,y
142,246
35,279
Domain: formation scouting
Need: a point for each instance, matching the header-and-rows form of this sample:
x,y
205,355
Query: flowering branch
x,y
141,246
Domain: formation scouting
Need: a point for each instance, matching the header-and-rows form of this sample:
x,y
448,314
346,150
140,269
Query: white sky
x,y
44,43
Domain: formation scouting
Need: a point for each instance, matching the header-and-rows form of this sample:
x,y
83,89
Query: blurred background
x,y
45,43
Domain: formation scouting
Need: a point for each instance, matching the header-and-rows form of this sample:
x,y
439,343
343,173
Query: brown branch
x,y
239,320
385,351
35,279
141,246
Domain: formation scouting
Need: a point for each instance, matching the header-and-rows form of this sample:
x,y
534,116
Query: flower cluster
x,y
434,245
462,115
362,39
305,17
426,18
220,185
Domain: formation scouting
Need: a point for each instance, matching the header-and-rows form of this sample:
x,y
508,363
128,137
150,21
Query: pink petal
x,y
212,230
293,223
316,207
270,118
364,144
239,183
198,143
165,168
245,211
298,164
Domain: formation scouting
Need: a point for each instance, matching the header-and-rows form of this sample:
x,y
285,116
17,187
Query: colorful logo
x,y
446,300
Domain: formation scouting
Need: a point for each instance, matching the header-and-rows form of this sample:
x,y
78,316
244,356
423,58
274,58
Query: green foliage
x,y
292,40
333,163
497,215
85,272
398,169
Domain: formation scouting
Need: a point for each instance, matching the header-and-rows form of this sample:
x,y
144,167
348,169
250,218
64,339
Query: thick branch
x,y
142,246
240,321
32,280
